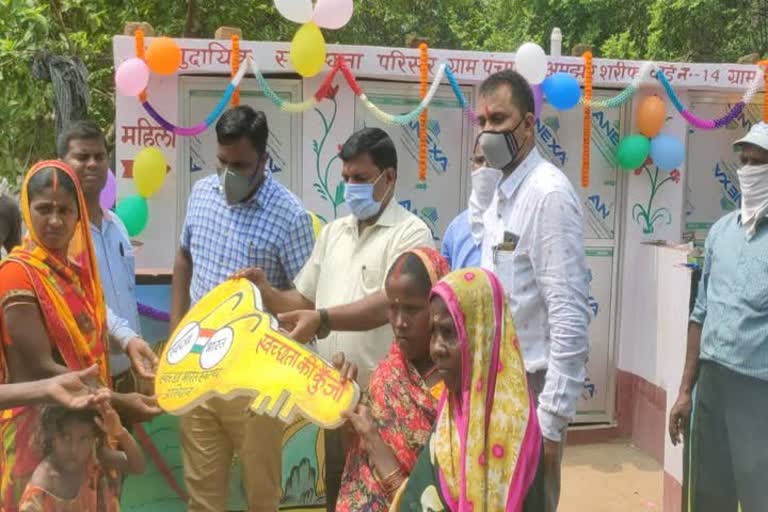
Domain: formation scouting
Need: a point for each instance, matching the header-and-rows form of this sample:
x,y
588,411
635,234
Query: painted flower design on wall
x,y
645,215
333,194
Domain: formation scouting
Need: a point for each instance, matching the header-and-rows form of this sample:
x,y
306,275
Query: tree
x,y
697,30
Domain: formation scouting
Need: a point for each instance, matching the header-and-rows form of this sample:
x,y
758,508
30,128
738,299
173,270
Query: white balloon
x,y
531,62
298,11
333,14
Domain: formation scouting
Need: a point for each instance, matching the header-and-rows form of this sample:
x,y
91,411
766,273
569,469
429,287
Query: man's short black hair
x,y
243,121
522,95
79,130
373,141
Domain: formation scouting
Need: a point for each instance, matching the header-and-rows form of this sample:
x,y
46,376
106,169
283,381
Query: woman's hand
x,y
348,369
362,421
74,390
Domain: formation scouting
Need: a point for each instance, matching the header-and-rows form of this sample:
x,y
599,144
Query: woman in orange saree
x,y
52,312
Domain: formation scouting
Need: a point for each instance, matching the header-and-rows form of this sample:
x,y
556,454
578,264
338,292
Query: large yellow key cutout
x,y
227,346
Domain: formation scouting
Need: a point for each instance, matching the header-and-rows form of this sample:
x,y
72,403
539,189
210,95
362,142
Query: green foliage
x,y
696,30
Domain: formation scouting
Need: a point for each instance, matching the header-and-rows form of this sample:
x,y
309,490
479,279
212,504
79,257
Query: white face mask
x,y
484,183
753,182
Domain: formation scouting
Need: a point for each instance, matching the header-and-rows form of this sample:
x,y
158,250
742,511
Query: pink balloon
x,y
332,14
132,77
538,99
109,192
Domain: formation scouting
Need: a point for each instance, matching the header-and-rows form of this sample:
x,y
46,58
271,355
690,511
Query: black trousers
x,y
728,442
334,467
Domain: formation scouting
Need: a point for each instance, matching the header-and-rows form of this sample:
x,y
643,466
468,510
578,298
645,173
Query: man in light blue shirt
x,y
459,248
727,355
83,147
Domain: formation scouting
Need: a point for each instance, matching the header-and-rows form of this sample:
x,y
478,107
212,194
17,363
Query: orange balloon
x,y
163,56
651,115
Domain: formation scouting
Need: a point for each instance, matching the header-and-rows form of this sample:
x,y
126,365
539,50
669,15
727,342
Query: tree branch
x,y
190,22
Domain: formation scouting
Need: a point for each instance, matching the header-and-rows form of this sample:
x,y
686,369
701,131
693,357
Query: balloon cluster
x,y
162,57
149,169
561,90
308,46
666,151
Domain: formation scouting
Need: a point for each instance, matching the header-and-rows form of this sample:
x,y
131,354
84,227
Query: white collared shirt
x,y
545,278
347,265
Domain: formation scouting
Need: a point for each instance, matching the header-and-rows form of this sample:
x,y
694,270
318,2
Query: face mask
x,y
359,198
499,148
236,187
484,182
753,182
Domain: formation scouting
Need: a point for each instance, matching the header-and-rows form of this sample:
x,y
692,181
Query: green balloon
x,y
633,151
134,212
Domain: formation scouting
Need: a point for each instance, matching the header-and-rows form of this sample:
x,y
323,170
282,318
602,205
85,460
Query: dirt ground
x,y
610,477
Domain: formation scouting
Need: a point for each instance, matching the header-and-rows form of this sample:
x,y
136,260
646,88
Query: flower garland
x,y
622,97
154,314
711,124
384,117
587,130
764,65
468,111
235,67
424,117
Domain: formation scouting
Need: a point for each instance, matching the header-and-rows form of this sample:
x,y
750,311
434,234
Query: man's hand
x,y
679,418
255,275
74,390
348,369
305,324
143,358
137,406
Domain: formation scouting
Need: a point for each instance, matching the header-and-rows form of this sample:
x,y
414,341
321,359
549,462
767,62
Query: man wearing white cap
x,y
727,357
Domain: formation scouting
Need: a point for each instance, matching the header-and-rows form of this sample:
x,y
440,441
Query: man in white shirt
x,y
341,287
532,238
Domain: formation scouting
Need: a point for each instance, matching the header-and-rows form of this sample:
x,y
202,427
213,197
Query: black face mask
x,y
500,148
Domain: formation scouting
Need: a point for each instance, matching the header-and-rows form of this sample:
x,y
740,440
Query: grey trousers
x,y
728,442
551,471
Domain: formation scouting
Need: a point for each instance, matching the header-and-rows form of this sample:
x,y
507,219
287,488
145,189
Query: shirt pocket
x,y
504,268
371,280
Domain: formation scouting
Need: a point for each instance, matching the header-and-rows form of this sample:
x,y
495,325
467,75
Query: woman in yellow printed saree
x,y
52,313
484,454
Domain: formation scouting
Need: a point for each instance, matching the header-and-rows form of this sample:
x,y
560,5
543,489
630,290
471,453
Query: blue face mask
x,y
359,198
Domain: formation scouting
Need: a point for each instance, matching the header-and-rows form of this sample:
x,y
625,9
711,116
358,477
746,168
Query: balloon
x,y
132,77
667,152
538,99
308,50
531,62
298,11
134,212
332,14
633,151
109,192
562,90
149,168
163,56
651,114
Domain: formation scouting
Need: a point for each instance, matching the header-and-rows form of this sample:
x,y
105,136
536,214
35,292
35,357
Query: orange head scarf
x,y
68,288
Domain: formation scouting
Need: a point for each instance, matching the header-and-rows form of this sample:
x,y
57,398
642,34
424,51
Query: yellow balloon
x,y
149,168
308,50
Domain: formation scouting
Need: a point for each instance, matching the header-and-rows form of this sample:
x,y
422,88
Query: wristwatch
x,y
325,324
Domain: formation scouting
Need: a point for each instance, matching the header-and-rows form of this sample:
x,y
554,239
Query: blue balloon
x,y
667,152
562,90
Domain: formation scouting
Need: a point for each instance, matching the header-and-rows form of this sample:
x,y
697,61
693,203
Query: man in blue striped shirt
x,y
238,218
727,355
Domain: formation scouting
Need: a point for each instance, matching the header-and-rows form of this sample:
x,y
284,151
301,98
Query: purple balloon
x,y
538,99
109,192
